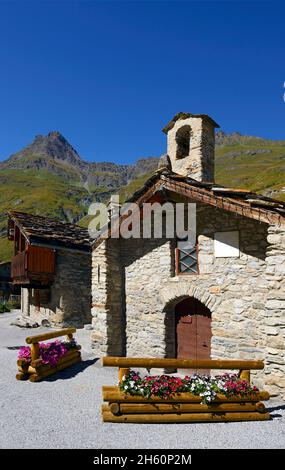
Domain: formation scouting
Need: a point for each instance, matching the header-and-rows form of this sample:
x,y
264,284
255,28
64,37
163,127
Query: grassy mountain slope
x,y
49,178
242,162
40,193
261,172
260,168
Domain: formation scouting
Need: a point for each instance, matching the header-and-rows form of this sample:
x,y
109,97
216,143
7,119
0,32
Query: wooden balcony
x,y
34,267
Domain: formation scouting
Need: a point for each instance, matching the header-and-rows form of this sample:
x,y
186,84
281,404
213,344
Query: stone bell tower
x,y
191,145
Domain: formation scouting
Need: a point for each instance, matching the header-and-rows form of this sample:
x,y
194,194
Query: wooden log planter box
x,y
36,369
121,407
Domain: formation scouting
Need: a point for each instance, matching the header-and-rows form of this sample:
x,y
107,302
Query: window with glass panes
x,y
186,258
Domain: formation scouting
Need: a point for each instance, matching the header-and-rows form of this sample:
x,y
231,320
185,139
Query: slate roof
x,y
243,196
49,231
180,116
239,201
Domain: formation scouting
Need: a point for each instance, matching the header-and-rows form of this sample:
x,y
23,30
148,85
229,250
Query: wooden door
x,y
193,330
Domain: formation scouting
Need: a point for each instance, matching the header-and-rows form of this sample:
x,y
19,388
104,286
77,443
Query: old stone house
x,y
222,297
52,264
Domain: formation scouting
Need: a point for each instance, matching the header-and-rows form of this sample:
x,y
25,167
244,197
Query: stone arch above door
x,y
193,330
173,293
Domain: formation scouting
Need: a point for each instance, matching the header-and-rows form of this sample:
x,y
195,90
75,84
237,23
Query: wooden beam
x,y
38,365
235,205
54,370
185,417
149,363
52,334
120,397
146,408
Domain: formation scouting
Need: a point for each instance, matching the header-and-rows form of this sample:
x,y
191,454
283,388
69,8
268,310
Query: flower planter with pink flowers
x,y
192,398
40,360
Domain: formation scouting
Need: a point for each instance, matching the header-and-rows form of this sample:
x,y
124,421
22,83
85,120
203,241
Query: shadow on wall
x,y
252,233
121,255
65,306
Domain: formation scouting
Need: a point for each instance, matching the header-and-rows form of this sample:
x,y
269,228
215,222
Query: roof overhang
x,y
181,116
44,239
237,201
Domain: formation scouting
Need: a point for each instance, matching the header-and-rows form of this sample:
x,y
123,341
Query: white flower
x,y
126,387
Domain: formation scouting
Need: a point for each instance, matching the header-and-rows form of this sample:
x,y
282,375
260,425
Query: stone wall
x,y
199,164
148,265
273,328
68,300
245,295
108,304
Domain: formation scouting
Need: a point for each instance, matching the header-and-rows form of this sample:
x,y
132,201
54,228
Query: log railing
x,y
124,364
37,370
181,407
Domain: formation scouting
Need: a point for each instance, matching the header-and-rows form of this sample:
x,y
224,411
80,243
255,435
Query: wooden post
x,y
52,334
35,351
122,372
245,375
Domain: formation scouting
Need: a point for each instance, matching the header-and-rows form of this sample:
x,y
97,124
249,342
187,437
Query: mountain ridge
x,y
54,153
48,176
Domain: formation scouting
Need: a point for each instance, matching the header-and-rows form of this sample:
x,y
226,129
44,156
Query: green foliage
x,y
40,193
6,247
84,222
58,190
4,308
130,188
242,166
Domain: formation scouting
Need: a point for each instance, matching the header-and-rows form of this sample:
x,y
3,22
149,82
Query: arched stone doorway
x,y
192,330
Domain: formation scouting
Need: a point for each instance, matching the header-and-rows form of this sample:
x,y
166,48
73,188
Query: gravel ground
x,y
64,410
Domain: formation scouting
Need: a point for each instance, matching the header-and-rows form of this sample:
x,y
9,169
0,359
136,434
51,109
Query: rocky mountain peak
x,y
54,145
51,146
224,138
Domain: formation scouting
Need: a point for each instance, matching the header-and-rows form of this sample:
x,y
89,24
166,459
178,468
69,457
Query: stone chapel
x,y
221,297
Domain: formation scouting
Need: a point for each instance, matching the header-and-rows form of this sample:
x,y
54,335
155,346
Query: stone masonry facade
x,y
67,301
199,164
135,290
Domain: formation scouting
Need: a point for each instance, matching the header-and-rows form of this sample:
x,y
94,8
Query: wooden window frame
x,y
177,270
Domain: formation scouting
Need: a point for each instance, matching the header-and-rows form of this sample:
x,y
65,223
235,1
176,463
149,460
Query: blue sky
x,y
110,74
